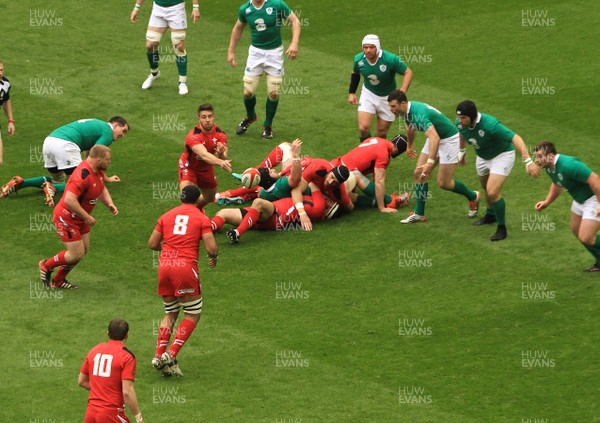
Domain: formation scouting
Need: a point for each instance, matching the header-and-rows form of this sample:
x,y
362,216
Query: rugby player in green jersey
x,y
265,55
62,154
441,147
583,185
495,146
167,14
378,68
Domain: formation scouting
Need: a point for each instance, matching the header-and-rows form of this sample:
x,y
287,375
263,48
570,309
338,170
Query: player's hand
x,y
296,145
534,170
352,99
113,209
133,17
231,59
388,210
305,221
195,15
113,178
411,153
10,128
226,165
212,262
422,172
292,51
220,149
540,205
89,220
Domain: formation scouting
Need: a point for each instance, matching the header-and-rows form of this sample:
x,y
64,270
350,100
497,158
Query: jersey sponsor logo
x,y
269,10
186,291
382,68
94,201
481,133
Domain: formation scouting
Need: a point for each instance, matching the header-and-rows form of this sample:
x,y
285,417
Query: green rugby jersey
x,y
572,175
380,78
85,133
265,23
489,137
422,116
168,3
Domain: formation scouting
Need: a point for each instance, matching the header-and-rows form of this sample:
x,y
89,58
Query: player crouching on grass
x,y
583,185
177,236
72,216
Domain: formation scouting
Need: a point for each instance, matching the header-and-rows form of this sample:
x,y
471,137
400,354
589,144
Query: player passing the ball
x,y
108,372
583,185
73,218
177,236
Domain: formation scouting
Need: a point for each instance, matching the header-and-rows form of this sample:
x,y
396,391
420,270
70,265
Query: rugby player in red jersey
x,y
177,236
205,147
108,372
373,156
72,216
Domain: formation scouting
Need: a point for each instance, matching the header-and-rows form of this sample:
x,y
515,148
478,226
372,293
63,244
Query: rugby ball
x,y
250,178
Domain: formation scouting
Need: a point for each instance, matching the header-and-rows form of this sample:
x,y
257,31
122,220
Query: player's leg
x,y
585,224
369,200
230,216
493,192
385,117
66,259
448,159
192,308
279,154
254,70
273,67
178,40
165,329
365,120
382,127
483,173
260,210
421,189
72,258
207,196
236,196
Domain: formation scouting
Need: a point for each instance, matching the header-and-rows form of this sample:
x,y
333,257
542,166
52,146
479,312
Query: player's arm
x,y
136,9
299,204
195,11
530,166
84,381
553,193
594,182
296,170
462,150
411,133
108,202
379,178
292,50
73,205
354,81
236,35
130,399
406,80
7,107
210,158
434,145
155,241
222,151
210,245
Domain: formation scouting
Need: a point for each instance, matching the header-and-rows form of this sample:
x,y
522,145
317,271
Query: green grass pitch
x,y
361,320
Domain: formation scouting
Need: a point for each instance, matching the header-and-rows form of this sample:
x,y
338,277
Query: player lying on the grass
x,y
441,147
62,153
583,185
279,215
495,146
108,372
177,236
373,156
73,219
288,155
329,179
205,147
366,200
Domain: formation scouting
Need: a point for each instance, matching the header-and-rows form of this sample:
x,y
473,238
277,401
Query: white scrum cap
x,y
372,39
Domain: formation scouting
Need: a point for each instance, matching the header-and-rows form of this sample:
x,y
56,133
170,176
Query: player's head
x,y
400,144
206,116
371,46
267,177
467,113
118,329
189,194
120,127
398,102
332,209
337,176
99,157
545,153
